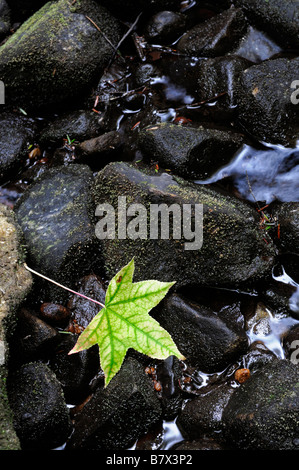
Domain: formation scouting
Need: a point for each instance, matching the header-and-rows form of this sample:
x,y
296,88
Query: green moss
x,y
52,47
232,250
8,437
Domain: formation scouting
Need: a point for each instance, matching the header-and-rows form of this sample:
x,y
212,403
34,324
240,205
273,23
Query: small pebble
x,y
241,375
54,313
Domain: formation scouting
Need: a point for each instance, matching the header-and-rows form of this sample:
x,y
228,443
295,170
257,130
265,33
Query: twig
x,y
104,35
124,37
213,98
260,209
124,94
251,192
139,49
63,287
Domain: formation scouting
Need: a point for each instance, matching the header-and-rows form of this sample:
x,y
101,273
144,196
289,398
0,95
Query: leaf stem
x,y
63,287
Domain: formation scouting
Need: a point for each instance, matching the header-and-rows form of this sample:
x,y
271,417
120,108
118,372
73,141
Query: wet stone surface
x,y
191,153
268,111
56,218
210,343
160,102
16,135
236,252
216,36
103,422
280,19
40,412
70,31
268,423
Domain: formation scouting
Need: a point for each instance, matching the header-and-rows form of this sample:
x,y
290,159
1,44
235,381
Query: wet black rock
x,y
165,27
83,310
211,80
194,153
32,338
54,314
287,215
169,374
220,75
131,8
116,416
41,417
257,356
16,134
74,371
206,340
280,19
77,125
233,250
98,151
216,36
262,414
47,60
5,19
264,99
202,415
56,216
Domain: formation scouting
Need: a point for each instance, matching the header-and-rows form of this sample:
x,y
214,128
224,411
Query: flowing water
x,y
269,174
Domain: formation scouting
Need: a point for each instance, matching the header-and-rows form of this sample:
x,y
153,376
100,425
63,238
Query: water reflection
x,y
172,435
286,279
294,301
173,92
278,325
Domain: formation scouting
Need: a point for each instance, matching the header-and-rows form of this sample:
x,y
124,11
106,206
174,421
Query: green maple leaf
x,y
124,323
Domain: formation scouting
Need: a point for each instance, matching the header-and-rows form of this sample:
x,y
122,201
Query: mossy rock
x,y
233,251
15,284
264,99
262,414
190,152
8,437
57,53
16,281
56,216
41,416
279,18
215,36
16,132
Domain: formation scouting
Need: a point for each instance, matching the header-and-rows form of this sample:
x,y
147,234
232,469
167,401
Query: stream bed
x,y
180,102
